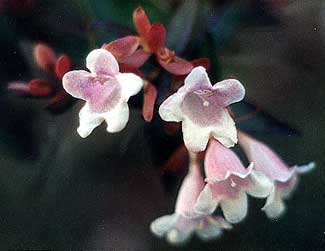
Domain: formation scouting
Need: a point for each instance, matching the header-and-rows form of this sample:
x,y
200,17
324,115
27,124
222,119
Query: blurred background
x,y
61,192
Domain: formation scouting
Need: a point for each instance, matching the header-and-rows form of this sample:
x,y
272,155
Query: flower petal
x,y
163,224
212,228
235,209
260,186
101,61
170,109
76,83
88,121
149,99
117,118
225,130
131,84
178,66
265,160
274,206
229,91
195,137
137,59
205,203
141,21
62,66
197,78
156,37
221,162
190,190
44,57
122,47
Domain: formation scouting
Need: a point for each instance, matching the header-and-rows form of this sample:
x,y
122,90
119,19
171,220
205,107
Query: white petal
x,y
274,206
163,224
305,168
213,228
198,76
101,61
261,185
205,203
235,209
170,109
225,132
209,232
117,118
88,121
195,137
131,84
229,91
177,237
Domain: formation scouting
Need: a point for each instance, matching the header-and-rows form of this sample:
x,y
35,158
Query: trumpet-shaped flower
x,y
228,183
105,90
269,164
202,109
178,227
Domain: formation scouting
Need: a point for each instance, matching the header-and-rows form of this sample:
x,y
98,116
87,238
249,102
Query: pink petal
x,y
177,66
190,190
76,83
221,162
265,160
102,62
229,91
123,47
137,59
101,97
40,88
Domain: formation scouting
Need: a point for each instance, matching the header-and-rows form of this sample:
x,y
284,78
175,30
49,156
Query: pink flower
x,y
179,227
202,109
268,163
229,182
105,90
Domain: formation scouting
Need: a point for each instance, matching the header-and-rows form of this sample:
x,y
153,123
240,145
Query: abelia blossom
x,y
228,183
179,227
202,109
269,164
105,90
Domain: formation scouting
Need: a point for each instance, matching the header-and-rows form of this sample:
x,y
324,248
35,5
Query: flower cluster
x,y
54,67
203,111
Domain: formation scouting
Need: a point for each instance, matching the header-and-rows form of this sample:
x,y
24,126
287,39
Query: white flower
x,y
202,109
105,90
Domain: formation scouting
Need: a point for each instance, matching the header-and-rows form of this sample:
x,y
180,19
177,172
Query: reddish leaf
x,y
149,99
137,59
205,62
177,161
44,57
156,37
178,66
62,66
141,22
39,88
123,47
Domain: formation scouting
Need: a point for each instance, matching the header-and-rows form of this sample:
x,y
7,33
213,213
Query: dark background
x,y
61,192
